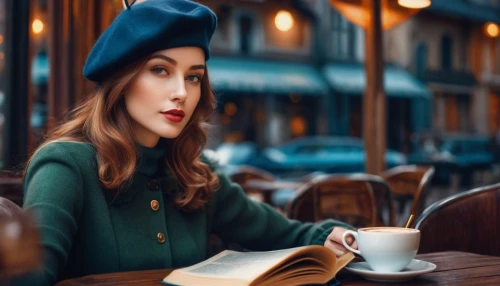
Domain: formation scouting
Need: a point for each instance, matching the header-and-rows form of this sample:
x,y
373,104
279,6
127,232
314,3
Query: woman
x,y
121,185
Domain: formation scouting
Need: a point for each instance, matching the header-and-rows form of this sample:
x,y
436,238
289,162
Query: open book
x,y
295,266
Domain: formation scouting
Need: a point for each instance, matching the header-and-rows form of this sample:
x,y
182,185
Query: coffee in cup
x,y
385,249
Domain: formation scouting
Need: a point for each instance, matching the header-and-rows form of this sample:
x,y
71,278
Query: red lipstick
x,y
174,115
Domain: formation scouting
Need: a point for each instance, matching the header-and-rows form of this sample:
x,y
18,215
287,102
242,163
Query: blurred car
x,y
310,154
450,153
231,155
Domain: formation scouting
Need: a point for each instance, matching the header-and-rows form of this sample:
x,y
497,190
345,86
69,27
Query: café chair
x,y
356,199
282,197
246,173
11,187
409,183
20,251
468,221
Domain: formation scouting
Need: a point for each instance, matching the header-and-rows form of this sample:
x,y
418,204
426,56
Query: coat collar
x,y
151,165
150,159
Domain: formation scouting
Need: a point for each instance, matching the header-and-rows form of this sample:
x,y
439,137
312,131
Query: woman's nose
x,y
179,91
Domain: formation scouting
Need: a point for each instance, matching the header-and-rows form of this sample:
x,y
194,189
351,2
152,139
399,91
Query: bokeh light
x,y
37,26
283,20
492,29
414,4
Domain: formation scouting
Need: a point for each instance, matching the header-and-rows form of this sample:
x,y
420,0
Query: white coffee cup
x,y
385,249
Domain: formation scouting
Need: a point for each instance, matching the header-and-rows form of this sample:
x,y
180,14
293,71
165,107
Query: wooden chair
x,y
11,187
408,183
357,199
19,241
247,173
467,221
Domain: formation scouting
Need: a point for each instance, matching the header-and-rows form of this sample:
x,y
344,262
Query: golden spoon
x,y
410,221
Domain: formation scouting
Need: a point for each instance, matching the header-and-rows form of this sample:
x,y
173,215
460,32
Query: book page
x,y
311,264
343,261
239,265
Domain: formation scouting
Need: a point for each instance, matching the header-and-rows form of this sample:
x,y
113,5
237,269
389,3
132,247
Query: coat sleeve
x,y
53,194
257,226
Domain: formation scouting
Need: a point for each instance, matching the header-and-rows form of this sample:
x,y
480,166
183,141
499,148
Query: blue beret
x,y
147,27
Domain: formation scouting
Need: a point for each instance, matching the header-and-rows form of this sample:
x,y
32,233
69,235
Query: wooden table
x,y
453,268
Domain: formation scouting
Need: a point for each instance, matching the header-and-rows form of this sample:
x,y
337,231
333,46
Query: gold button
x,y
161,237
155,205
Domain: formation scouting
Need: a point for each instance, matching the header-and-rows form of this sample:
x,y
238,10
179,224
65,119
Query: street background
x,y
293,73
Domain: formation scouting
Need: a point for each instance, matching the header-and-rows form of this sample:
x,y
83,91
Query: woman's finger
x,y
336,235
337,248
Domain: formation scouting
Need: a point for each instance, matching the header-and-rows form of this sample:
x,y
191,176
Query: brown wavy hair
x,y
103,121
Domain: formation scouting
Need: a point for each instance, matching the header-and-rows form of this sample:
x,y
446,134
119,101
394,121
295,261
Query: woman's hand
x,y
334,241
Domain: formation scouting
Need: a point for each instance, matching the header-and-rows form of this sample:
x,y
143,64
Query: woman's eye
x,y
194,78
159,70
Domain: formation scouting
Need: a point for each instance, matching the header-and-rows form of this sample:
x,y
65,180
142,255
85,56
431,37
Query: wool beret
x,y
147,27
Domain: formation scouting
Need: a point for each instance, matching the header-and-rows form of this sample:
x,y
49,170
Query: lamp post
x,y
374,130
375,16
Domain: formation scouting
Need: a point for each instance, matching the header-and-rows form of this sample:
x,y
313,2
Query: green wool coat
x,y
85,231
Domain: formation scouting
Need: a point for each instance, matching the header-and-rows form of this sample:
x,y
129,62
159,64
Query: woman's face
x,y
164,95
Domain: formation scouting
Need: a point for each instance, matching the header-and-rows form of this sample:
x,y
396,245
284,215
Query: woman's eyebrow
x,y
174,62
165,58
197,67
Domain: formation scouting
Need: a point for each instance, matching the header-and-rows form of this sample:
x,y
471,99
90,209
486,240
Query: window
x,y
310,149
464,109
344,149
446,52
246,24
38,71
2,74
421,59
494,112
221,35
343,38
458,113
497,57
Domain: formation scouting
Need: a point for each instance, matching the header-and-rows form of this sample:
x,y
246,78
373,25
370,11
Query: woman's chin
x,y
169,135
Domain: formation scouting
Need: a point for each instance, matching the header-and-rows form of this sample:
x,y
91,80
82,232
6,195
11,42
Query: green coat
x,y
84,231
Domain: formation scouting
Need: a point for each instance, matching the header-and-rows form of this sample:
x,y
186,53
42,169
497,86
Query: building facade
x,y
408,100
266,77
280,69
447,47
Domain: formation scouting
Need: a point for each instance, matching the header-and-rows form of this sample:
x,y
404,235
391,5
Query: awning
x,y
465,10
350,79
249,75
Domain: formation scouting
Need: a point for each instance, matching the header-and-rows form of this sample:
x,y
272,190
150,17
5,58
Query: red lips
x,y
174,115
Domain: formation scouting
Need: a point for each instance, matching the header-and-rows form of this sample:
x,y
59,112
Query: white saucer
x,y
414,269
